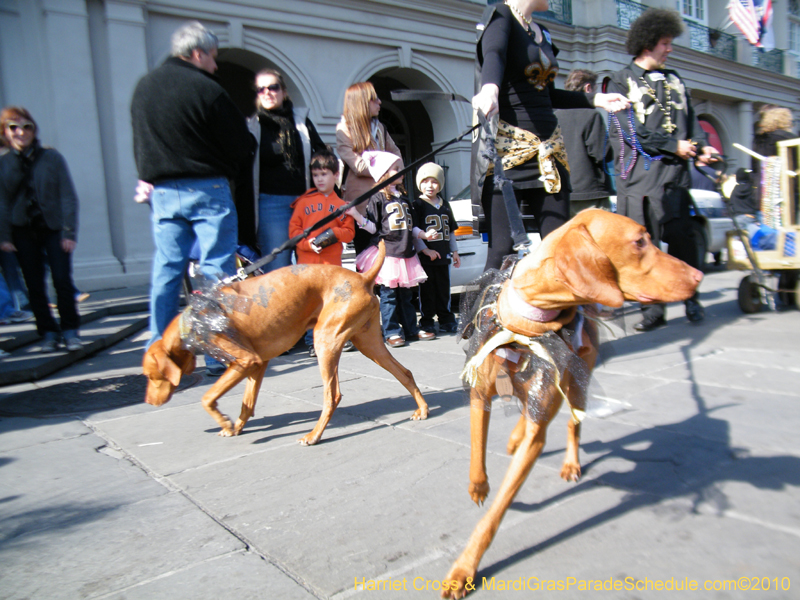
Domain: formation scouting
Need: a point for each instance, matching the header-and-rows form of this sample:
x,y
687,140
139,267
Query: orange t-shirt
x,y
310,208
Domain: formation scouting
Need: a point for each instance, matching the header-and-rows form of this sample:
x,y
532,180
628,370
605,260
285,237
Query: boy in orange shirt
x,y
325,247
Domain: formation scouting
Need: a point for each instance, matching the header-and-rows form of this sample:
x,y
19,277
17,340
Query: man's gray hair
x,y
193,35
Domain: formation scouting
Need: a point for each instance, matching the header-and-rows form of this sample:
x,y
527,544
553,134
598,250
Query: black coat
x,y
585,139
52,187
186,126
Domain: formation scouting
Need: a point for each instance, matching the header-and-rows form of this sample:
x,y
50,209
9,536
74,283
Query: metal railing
x,y
559,11
769,61
711,41
627,12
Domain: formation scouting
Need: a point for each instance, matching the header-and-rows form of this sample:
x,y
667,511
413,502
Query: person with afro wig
x,y
654,145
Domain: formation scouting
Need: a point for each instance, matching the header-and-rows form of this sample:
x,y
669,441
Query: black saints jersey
x,y
440,220
394,218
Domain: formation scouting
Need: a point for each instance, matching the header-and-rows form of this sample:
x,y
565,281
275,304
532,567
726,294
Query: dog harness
x,y
534,361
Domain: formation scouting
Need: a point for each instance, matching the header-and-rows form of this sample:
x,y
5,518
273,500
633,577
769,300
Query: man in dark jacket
x,y
189,140
585,140
653,162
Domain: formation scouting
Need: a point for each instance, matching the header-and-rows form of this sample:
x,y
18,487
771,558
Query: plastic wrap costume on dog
x,y
532,357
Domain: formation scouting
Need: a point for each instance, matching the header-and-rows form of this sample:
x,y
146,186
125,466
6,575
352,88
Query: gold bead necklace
x,y
668,125
523,18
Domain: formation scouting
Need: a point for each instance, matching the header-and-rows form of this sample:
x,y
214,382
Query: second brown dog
x,y
597,257
269,314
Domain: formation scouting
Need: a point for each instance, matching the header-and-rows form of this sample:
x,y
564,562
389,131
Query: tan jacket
x,y
358,178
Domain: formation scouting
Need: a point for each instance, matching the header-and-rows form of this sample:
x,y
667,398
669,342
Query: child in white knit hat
x,y
389,217
435,217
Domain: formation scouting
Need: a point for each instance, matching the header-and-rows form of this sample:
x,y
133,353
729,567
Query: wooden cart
x,y
776,270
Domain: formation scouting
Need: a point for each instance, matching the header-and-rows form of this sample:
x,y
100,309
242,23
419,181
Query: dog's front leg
x,y
227,380
571,470
480,412
254,380
329,369
466,566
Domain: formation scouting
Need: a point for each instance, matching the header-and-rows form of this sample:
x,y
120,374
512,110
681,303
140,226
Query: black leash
x,y
242,273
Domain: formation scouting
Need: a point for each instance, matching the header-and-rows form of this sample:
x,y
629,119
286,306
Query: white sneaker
x,y
74,344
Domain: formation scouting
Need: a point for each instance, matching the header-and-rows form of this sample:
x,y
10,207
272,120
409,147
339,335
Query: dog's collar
x,y
528,311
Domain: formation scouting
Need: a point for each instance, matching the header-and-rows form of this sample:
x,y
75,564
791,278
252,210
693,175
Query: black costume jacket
x,y
660,181
525,71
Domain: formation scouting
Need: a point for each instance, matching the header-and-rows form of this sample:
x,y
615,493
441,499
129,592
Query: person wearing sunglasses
x,y
39,221
286,141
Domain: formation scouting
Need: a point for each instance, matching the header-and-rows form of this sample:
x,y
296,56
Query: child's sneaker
x,y
50,343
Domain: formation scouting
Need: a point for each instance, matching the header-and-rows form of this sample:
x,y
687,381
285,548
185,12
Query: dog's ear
x,y
170,370
156,362
583,268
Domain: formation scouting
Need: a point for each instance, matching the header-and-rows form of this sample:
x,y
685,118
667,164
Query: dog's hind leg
x,y
466,566
369,341
250,397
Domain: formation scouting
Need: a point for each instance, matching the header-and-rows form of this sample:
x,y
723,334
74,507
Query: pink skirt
x,y
395,272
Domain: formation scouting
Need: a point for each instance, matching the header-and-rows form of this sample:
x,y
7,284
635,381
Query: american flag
x,y
743,14
763,9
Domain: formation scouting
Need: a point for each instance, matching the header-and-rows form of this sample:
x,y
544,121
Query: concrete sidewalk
x,y
693,472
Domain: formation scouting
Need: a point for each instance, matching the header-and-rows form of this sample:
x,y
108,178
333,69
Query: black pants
x,y
550,211
35,245
434,298
678,234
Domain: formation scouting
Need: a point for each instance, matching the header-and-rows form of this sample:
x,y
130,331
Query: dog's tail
x,y
372,273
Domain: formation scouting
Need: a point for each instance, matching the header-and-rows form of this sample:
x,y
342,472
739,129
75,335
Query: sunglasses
x,y
25,127
274,88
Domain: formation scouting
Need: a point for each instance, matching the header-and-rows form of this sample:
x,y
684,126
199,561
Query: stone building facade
x,y
74,64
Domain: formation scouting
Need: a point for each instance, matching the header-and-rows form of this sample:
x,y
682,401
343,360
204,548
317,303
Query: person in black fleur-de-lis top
x,y
653,175
435,217
516,68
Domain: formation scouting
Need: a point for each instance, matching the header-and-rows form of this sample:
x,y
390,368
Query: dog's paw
x,y
571,472
308,440
420,415
479,492
458,583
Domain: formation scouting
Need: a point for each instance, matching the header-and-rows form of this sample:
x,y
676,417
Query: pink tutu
x,y
395,272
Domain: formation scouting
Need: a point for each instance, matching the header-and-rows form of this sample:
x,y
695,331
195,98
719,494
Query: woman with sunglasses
x,y
358,131
38,221
286,140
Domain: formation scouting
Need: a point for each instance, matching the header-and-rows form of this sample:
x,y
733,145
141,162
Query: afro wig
x,y
651,27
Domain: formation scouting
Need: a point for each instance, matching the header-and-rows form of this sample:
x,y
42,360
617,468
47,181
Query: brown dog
x,y
597,257
269,314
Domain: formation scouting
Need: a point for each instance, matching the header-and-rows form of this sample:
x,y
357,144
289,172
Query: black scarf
x,y
281,121
27,158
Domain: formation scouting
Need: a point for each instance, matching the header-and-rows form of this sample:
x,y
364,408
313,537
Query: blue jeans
x,y
398,314
6,305
274,214
19,295
185,210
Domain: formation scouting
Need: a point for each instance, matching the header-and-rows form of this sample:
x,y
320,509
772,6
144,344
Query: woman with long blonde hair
x,y
359,131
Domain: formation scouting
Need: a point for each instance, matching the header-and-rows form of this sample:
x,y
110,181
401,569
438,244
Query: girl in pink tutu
x,y
389,218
